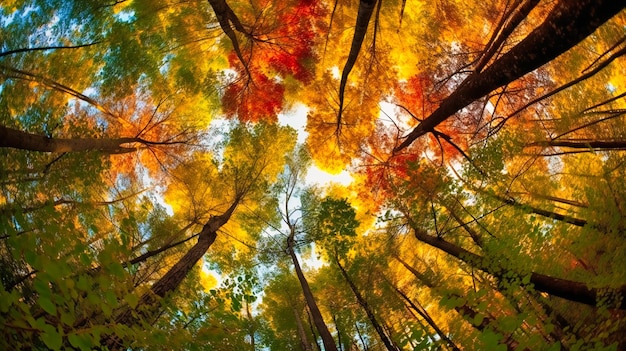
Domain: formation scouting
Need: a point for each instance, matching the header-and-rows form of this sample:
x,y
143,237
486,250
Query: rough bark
x,y
568,23
316,315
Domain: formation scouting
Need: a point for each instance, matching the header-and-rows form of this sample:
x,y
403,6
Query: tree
x,y
151,195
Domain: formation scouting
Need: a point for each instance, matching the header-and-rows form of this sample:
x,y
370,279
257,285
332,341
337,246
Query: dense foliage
x,y
154,191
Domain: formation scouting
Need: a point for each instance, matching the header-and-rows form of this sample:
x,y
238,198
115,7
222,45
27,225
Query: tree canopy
x,y
158,165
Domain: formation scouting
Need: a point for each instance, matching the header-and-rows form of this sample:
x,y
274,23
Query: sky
x,y
296,118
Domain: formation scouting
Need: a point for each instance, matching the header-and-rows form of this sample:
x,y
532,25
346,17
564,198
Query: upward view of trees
x,y
154,191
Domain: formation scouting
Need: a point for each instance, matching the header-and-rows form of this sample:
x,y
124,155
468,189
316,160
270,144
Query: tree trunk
x,y
365,11
174,277
18,139
318,320
569,22
227,20
580,144
304,342
464,310
370,314
614,297
422,312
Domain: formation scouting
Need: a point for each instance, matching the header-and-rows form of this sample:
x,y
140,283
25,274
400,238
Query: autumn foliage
x,y
163,175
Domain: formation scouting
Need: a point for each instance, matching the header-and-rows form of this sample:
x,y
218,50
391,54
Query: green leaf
x,y
82,283
47,305
555,347
7,300
52,338
81,341
54,270
110,298
85,259
132,300
32,258
106,310
116,269
478,319
68,318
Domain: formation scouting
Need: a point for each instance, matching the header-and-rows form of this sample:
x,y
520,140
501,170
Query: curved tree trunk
x,y
318,320
227,20
366,9
569,22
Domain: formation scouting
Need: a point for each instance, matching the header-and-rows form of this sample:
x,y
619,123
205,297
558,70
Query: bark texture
x,y
365,11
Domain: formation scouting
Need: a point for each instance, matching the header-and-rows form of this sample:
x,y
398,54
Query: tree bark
x,y
18,139
304,341
318,320
569,22
544,213
422,312
227,20
581,144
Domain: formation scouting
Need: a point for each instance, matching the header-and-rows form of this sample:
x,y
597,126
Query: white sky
x,y
296,118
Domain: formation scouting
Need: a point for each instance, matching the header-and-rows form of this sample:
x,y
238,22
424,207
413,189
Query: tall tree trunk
x,y
569,22
18,139
174,277
464,310
318,320
304,342
365,11
368,311
563,288
583,144
312,327
251,329
424,314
